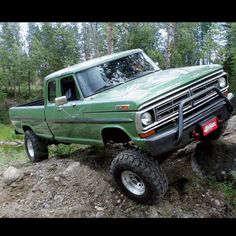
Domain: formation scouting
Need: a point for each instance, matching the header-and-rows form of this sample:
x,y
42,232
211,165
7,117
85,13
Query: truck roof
x,y
91,63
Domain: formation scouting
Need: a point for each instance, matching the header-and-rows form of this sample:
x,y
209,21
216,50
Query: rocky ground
x,y
79,185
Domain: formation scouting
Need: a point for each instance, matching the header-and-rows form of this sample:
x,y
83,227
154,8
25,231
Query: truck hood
x,y
146,88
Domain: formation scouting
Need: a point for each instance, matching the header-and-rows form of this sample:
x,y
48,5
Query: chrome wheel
x,y
133,182
30,148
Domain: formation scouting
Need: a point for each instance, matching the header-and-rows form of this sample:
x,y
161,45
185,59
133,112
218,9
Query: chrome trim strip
x,y
230,96
208,81
165,101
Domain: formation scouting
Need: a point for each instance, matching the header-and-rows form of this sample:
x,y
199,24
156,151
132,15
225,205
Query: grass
x,y
227,187
63,150
7,133
12,155
15,154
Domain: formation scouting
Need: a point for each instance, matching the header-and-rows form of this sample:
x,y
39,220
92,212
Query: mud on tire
x,y
139,177
36,148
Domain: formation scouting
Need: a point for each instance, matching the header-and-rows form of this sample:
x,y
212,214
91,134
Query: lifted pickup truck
x,y
126,98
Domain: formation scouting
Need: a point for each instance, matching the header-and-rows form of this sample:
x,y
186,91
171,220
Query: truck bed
x,y
34,103
30,115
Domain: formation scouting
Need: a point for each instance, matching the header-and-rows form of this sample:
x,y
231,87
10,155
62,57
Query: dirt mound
x,y
80,185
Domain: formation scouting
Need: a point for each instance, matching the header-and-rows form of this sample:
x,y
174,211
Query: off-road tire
x,y
40,148
148,170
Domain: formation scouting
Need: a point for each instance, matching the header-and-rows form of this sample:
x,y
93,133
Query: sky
x,y
24,29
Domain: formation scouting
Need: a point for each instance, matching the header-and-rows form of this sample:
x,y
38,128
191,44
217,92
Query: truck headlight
x,y
222,82
146,118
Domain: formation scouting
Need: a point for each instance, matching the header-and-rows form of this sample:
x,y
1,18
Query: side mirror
x,y
60,100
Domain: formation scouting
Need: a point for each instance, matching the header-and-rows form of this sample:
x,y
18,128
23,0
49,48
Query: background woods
x,y
30,51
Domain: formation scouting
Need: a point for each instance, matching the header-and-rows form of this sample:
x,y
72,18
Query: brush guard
x,y
180,127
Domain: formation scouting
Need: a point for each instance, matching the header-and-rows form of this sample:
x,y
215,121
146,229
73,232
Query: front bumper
x,y
179,136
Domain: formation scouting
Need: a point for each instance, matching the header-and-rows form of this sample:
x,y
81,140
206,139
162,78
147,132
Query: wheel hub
x,y
30,148
133,182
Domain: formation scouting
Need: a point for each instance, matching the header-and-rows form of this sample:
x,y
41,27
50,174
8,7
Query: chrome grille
x,y
170,108
199,88
167,109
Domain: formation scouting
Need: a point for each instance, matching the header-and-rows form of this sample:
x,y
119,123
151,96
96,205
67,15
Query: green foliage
x,y
8,134
63,150
226,186
12,155
156,56
184,47
232,58
141,35
51,46
4,118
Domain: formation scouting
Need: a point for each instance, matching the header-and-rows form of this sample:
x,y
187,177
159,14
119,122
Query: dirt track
x,y
80,186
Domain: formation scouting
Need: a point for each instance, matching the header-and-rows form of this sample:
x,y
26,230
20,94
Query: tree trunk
x,y
85,39
29,84
94,34
110,38
6,84
42,88
170,38
14,85
19,89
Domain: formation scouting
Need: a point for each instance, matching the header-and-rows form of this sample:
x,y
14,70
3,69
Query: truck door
x,y
63,120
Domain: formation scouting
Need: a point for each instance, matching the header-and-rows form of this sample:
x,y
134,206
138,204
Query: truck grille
x,y
202,87
170,108
167,110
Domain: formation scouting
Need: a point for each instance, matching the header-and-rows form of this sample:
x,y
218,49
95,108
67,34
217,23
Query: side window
x,y
52,91
69,89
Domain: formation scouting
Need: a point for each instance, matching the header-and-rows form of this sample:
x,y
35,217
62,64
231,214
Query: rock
x,y
180,152
71,169
58,198
56,178
12,174
46,206
165,208
214,158
231,126
217,203
233,175
189,149
168,207
153,212
118,201
111,190
14,184
99,214
99,208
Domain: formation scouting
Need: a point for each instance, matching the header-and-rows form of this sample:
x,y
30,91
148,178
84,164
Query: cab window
x,y
52,91
69,89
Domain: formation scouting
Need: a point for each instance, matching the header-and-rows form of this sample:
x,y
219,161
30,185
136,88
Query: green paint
x,y
83,121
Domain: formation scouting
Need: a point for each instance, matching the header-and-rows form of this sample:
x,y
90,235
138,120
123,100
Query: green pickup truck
x,y
126,98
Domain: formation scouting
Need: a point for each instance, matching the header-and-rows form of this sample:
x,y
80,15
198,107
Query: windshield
x,y
113,73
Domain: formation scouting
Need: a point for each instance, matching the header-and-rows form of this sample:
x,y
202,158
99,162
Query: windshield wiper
x,y
142,74
107,87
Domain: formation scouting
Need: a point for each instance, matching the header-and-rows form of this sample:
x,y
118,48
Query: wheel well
x,y
25,128
115,135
